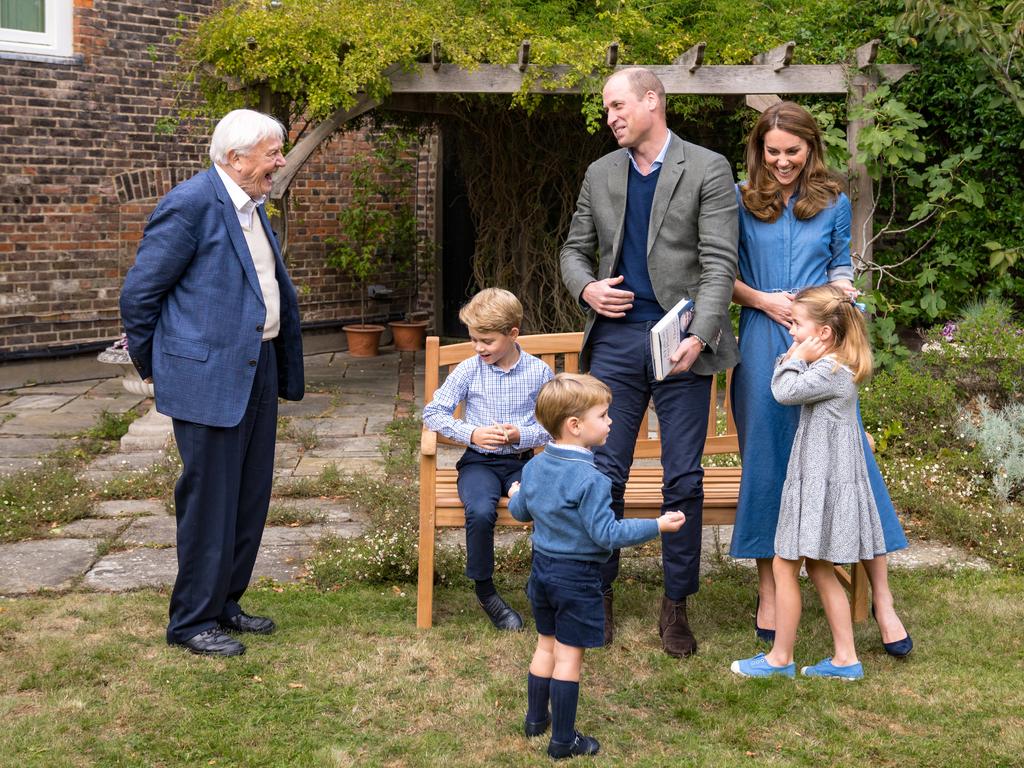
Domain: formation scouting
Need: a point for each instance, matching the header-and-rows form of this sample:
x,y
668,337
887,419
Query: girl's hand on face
x,y
791,350
810,349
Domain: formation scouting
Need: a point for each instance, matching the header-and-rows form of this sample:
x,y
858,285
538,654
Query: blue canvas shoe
x,y
825,668
758,666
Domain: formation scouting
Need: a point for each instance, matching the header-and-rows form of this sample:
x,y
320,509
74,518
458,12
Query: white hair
x,y
241,130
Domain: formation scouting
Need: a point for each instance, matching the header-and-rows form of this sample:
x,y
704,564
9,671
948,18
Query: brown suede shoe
x,y
676,637
609,620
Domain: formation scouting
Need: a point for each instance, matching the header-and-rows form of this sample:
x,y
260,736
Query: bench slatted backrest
x,y
560,351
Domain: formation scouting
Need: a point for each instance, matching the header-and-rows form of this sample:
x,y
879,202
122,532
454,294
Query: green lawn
x,y
85,679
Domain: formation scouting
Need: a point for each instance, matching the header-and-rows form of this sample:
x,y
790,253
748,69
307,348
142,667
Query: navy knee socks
x,y
564,698
537,698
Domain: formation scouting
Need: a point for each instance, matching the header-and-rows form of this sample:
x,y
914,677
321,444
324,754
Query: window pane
x,y
26,15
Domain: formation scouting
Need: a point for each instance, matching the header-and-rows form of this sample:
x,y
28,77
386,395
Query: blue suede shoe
x,y
825,668
757,666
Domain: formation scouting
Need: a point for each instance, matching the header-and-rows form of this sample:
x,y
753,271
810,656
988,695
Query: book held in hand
x,y
666,335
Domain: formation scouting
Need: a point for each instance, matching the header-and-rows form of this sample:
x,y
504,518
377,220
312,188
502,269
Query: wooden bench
x,y
440,506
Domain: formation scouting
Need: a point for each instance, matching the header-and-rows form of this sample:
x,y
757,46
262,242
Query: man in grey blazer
x,y
655,221
213,319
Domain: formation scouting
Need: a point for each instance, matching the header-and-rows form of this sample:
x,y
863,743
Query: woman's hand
x,y
777,305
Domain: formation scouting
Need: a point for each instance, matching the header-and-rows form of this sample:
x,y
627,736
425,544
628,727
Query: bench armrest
x,y
428,443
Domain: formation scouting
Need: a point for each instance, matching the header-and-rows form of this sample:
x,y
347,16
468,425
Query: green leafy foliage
x,y
906,409
1000,437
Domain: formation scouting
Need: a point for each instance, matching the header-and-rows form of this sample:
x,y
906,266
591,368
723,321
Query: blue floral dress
x,y
786,255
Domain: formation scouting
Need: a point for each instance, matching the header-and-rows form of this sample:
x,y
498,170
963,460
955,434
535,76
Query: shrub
x,y
904,407
982,352
1000,438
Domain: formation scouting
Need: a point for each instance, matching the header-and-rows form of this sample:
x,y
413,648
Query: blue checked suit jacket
x,y
193,309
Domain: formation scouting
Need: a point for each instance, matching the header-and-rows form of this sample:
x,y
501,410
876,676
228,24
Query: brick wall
x,y
82,165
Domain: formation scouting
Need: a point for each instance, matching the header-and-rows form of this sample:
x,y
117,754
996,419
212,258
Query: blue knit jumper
x,y
569,501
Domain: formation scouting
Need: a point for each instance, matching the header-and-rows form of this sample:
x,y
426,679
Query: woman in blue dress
x,y
794,233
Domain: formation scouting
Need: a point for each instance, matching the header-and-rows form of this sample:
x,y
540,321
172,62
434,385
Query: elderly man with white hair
x,y
212,320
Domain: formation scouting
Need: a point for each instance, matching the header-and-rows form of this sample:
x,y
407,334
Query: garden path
x,y
130,544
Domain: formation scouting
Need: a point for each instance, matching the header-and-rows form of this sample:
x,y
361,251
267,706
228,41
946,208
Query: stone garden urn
x,y
151,431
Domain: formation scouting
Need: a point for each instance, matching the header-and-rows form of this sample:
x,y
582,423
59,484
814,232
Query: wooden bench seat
x,y
440,506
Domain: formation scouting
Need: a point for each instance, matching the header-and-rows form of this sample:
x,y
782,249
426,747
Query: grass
x,y
279,514
85,679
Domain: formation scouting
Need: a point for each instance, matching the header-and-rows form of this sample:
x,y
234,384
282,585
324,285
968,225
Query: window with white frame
x,y
36,26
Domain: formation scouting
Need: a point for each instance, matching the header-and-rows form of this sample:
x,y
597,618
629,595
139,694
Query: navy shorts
x,y
565,596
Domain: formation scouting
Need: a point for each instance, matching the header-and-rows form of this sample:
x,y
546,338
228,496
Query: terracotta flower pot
x,y
409,336
363,340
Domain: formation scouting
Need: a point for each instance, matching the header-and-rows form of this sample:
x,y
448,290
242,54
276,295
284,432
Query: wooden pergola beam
x,y
298,154
709,80
692,58
778,57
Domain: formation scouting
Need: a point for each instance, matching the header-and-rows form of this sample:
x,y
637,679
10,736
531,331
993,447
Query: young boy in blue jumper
x,y
499,386
574,531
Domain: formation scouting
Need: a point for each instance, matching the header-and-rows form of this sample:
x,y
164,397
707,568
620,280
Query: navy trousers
x,y
621,358
221,502
483,479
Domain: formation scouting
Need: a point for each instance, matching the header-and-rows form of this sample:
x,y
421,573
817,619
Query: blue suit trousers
x,y
621,358
221,502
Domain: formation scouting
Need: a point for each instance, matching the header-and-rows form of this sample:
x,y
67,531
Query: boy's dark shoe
x,y
213,642
536,729
581,745
676,637
502,615
609,620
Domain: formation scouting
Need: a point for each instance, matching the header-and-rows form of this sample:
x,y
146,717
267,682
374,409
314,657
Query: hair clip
x,y
858,304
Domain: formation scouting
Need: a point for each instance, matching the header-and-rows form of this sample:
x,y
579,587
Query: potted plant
x,y
377,231
411,252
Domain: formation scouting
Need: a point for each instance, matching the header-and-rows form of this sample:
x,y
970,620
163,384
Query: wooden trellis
x,y
769,74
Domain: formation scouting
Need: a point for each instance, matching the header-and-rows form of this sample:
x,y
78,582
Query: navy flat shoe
x,y
899,649
765,635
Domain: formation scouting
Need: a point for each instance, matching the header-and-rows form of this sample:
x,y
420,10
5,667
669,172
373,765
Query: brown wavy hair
x,y
817,187
829,305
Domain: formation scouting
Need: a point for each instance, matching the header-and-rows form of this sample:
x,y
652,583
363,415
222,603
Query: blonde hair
x,y
493,310
833,307
817,186
566,395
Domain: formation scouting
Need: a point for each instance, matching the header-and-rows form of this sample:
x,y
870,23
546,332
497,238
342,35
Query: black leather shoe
x,y
243,622
536,729
502,616
899,649
581,745
213,642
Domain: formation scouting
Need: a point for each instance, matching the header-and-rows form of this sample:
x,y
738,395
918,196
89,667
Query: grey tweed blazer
x,y
691,241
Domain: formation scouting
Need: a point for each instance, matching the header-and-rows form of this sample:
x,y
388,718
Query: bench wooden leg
x,y
425,578
855,582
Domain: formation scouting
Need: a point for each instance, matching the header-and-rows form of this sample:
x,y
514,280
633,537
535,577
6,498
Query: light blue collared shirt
x,y
492,396
657,161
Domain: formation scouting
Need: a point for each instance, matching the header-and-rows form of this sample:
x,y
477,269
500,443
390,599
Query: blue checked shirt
x,y
492,396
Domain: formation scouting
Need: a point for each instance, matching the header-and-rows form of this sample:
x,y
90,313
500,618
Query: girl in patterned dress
x,y
828,513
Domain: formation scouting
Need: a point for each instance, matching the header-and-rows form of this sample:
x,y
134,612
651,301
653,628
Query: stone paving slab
x,y
311,405
96,405
57,388
29,566
344,447
38,402
130,508
136,461
345,426
90,528
133,569
311,467
20,447
13,466
282,564
151,531
286,456
44,423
